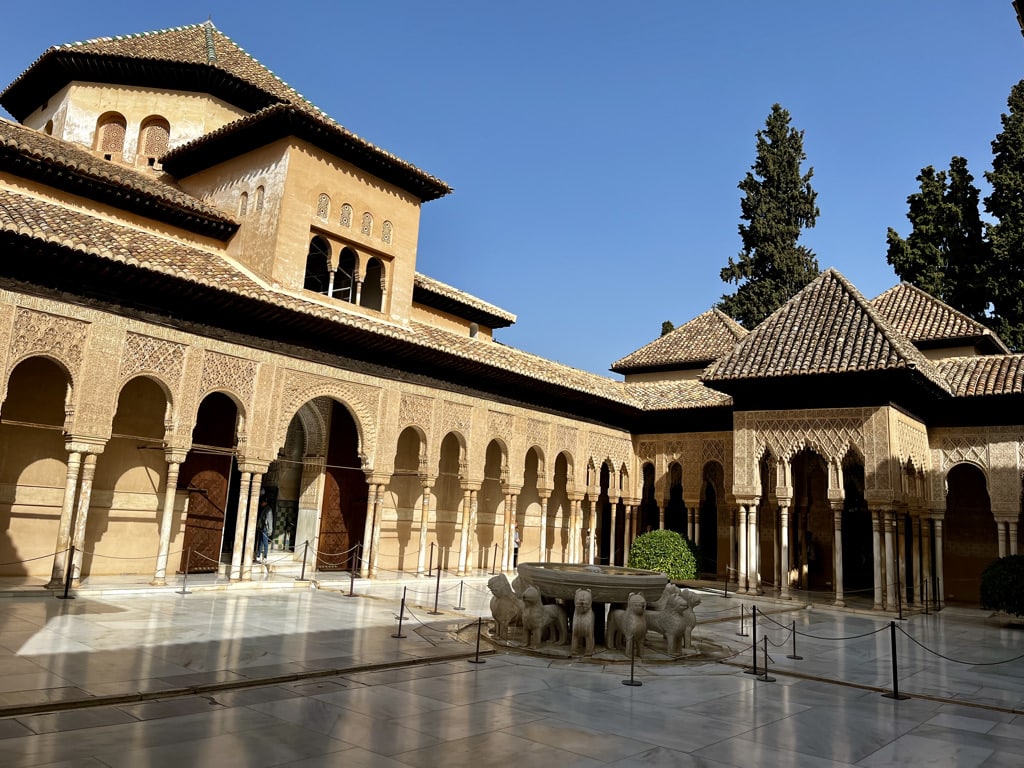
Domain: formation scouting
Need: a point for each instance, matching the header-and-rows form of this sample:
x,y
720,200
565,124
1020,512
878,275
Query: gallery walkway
x,y
294,676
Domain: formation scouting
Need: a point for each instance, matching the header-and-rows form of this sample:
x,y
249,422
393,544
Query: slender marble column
x,y
926,557
1001,535
876,553
753,551
510,564
464,533
378,523
166,521
696,525
915,528
544,528
424,525
742,576
1013,537
237,556
837,553
890,562
67,509
938,559
611,532
82,513
367,552
575,531
689,523
784,550
252,514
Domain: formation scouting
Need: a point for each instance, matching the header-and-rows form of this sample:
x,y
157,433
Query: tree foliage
x,y
1002,585
778,204
667,327
1006,235
946,253
665,552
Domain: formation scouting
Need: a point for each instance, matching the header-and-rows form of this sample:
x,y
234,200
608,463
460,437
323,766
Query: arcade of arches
x,y
820,501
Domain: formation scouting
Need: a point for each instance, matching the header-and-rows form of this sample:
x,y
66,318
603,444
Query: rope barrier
x,y
957,661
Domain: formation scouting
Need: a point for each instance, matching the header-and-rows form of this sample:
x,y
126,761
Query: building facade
x,y
211,298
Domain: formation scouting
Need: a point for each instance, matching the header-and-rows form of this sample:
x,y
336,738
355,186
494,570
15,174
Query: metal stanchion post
x,y
743,626
184,581
632,659
351,584
479,629
460,606
895,694
793,655
430,568
305,552
401,614
68,567
765,678
753,642
437,591
494,559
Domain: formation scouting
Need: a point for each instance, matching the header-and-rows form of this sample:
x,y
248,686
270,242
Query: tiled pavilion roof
x,y
702,340
195,57
442,293
984,375
924,319
827,328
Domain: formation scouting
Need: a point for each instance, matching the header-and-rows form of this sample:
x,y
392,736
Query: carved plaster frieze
x,y
149,355
61,338
415,410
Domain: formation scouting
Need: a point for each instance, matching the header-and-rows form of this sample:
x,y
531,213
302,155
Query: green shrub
x,y
1002,585
665,552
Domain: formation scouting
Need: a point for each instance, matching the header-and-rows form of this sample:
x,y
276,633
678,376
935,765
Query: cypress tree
x,y
778,204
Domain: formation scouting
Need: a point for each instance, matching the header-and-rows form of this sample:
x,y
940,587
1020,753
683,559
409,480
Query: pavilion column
x,y
1013,537
696,524
753,551
545,496
82,512
661,517
613,509
575,529
926,555
511,516
915,544
837,552
1001,535
890,563
174,461
742,576
730,568
368,526
237,549
939,573
60,557
784,561
426,483
464,531
689,523
876,552
253,510
378,520
592,532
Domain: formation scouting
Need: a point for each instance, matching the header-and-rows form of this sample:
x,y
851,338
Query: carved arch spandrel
x,y
40,334
362,402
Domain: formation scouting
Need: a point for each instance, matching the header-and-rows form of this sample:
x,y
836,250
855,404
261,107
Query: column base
x,y
158,583
839,603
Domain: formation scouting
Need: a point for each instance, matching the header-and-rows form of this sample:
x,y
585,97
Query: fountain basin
x,y
607,583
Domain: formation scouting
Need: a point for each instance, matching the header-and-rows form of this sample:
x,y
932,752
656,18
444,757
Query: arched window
x,y
110,130
372,294
346,215
367,227
345,276
318,266
259,198
243,204
386,231
154,138
323,206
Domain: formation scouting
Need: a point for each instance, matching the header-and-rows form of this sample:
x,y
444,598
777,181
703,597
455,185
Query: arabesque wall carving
x,y
62,338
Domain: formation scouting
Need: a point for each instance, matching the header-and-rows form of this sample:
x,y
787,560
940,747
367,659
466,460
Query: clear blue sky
x,y
595,147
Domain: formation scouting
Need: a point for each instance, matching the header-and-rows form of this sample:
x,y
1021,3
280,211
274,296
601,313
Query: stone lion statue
x,y
506,608
538,618
627,628
676,622
583,622
661,602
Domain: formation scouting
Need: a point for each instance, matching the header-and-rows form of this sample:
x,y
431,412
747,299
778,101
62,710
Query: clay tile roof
x,y
978,376
282,119
50,223
828,327
440,295
692,345
29,152
667,395
922,318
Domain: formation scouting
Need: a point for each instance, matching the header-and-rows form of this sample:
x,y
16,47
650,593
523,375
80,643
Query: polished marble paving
x,y
299,677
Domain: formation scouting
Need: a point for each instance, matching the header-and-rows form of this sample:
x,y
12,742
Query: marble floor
x,y
302,677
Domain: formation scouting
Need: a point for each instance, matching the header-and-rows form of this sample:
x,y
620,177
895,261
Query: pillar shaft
x,y
424,525
82,513
237,557
60,557
166,522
